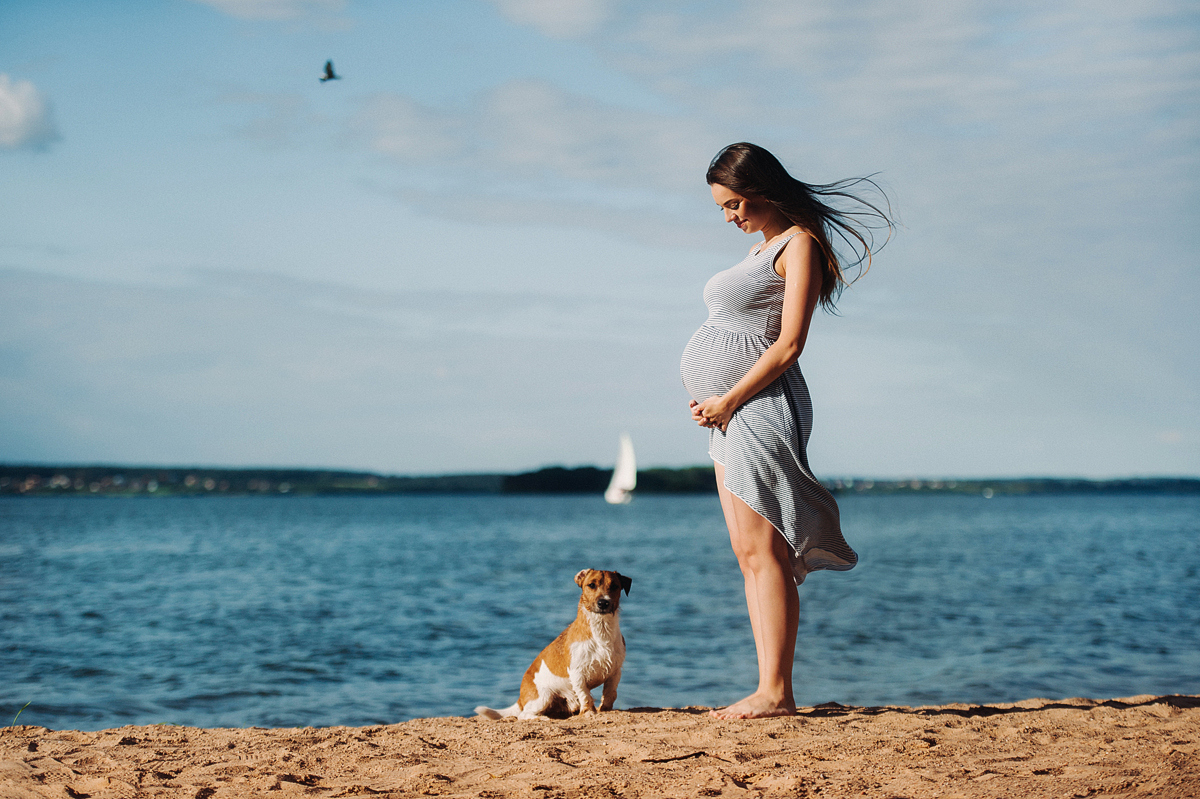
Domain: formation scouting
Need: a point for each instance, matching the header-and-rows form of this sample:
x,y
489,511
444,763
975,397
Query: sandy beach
x,y
1136,746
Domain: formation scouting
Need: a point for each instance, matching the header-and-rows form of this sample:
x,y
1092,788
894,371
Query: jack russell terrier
x,y
587,653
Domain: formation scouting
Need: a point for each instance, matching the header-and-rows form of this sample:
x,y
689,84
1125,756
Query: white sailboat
x,y
624,478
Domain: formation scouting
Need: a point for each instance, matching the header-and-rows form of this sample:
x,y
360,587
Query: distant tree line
x,y
591,480
41,480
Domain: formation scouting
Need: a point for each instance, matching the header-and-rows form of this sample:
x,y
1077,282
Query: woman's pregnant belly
x,y
715,359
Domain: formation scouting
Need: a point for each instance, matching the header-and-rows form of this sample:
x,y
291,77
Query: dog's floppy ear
x,y
579,577
625,582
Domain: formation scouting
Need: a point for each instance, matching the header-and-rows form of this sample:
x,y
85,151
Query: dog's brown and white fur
x,y
589,652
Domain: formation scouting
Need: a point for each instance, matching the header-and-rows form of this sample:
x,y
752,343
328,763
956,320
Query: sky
x,y
483,249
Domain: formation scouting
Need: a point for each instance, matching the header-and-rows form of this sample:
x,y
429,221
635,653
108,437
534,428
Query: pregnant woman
x,y
741,369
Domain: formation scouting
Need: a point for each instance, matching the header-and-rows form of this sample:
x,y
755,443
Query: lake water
x,y
294,611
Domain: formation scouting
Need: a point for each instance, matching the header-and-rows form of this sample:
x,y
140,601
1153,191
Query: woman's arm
x,y
800,265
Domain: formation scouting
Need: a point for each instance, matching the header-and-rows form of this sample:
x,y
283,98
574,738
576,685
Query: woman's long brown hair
x,y
753,171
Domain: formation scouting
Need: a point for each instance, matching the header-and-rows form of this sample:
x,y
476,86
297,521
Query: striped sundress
x,y
763,446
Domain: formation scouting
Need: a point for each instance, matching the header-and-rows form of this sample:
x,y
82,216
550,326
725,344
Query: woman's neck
x,y
774,231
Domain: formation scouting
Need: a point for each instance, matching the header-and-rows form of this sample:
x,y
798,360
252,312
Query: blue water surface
x,y
295,611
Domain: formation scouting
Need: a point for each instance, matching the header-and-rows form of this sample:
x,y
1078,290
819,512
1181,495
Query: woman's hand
x,y
713,412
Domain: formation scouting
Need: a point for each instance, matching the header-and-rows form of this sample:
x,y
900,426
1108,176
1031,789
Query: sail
x,y
624,478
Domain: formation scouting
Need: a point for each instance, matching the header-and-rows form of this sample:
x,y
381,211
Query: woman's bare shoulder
x,y
797,252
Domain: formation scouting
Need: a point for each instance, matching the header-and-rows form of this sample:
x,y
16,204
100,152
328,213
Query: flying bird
x,y
329,75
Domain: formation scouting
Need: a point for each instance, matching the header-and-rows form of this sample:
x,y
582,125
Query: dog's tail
x,y
509,712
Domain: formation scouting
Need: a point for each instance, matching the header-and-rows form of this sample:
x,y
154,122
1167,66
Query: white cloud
x,y
411,133
529,152
274,9
559,19
950,68
535,127
534,131
1029,114
25,119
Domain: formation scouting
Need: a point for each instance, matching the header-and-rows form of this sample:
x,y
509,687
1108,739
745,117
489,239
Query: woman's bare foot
x,y
754,706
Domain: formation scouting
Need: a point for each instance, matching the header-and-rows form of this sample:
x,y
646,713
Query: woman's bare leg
x,y
772,602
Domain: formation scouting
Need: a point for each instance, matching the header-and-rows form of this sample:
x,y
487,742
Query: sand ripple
x,y
1138,746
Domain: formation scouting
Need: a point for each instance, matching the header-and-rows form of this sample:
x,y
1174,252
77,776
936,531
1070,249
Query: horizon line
x,y
61,466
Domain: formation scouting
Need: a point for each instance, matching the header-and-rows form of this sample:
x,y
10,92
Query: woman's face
x,y
750,214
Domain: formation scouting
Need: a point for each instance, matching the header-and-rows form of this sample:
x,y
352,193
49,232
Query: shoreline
x,y
99,480
1134,746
